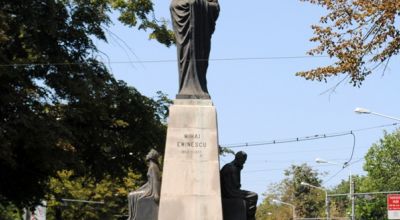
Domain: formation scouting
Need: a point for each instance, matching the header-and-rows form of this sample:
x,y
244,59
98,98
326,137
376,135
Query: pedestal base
x,y
190,187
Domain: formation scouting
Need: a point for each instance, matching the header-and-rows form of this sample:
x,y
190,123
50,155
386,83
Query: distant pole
x,y
27,214
352,197
294,213
328,210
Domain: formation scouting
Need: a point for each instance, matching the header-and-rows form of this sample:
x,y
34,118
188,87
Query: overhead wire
x,y
277,169
299,162
352,151
314,137
166,61
333,176
344,167
306,138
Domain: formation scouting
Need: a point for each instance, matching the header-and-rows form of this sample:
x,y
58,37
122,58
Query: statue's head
x,y
240,158
152,155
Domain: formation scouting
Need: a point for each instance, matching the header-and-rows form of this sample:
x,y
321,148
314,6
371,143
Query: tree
x,y
361,35
383,160
308,201
269,210
382,165
111,191
9,212
60,108
340,205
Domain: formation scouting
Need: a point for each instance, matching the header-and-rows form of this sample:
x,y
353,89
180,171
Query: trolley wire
x,y
307,138
165,61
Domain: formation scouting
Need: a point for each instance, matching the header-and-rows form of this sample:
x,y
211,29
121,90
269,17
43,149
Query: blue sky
x,y
262,99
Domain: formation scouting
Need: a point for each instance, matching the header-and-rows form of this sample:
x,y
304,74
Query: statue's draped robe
x,y
194,24
151,189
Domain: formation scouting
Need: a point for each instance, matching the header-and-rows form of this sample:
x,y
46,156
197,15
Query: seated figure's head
x,y
240,158
153,155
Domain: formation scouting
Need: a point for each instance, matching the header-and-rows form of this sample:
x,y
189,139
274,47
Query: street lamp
x,y
285,203
366,111
327,208
319,160
351,193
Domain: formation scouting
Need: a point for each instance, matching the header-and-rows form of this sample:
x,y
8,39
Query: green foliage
x,y
59,107
112,191
268,210
383,162
361,35
225,151
9,212
382,165
371,207
309,202
137,13
340,205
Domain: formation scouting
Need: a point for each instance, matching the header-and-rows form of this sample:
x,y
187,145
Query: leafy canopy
x,y
111,191
309,202
382,166
60,108
361,35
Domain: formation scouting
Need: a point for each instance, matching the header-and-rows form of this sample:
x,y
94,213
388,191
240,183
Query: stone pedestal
x,y
190,187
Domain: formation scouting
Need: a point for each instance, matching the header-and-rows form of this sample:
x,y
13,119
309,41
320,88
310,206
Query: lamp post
x,y
327,208
366,111
351,191
285,203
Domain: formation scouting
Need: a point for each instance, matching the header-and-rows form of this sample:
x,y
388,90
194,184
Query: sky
x,y
257,48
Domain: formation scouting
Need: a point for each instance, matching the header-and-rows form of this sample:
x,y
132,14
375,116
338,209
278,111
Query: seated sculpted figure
x,y
143,203
230,185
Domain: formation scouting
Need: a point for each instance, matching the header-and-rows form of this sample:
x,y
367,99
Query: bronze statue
x,y
193,24
230,185
143,203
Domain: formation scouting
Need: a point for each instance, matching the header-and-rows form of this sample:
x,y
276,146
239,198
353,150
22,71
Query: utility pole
x,y
328,208
352,198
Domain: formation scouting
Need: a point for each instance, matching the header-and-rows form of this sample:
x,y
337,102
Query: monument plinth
x,y
191,184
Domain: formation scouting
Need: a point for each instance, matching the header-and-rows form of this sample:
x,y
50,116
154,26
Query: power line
x,y
308,151
305,138
333,176
277,169
317,166
166,61
299,162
